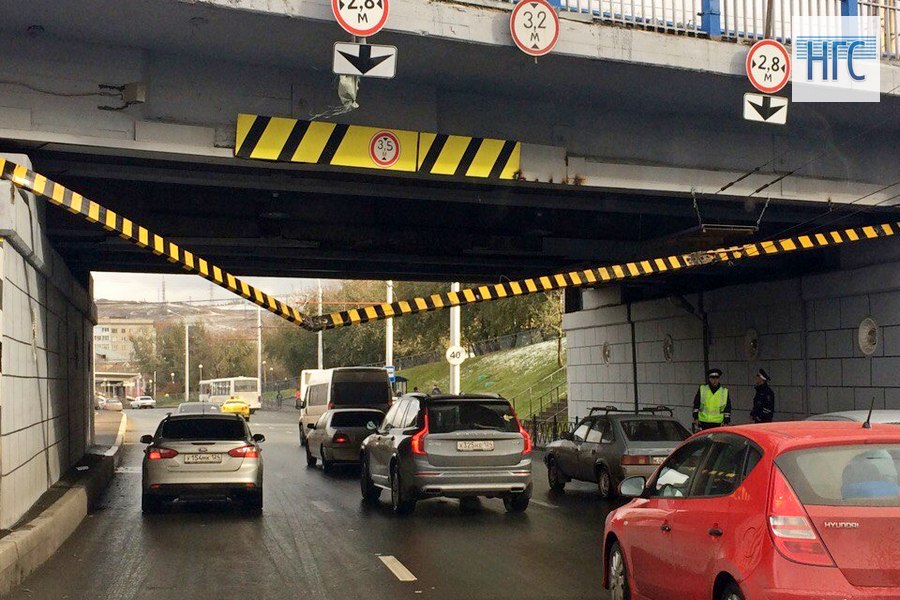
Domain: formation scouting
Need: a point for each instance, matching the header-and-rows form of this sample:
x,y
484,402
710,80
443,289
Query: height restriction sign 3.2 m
x,y
768,66
534,26
360,17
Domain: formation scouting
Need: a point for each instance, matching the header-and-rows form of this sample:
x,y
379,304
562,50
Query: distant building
x,y
112,338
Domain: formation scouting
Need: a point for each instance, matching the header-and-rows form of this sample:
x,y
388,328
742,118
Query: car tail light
x,y
527,439
244,452
636,459
156,453
340,438
418,439
793,535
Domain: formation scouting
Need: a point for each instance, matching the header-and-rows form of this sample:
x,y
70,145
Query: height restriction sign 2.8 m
x,y
768,66
534,26
360,17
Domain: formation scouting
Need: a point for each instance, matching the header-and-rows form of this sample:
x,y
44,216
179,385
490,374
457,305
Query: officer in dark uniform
x,y
764,400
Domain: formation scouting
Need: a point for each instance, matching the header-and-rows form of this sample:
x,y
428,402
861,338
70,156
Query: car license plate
x,y
658,460
193,459
475,446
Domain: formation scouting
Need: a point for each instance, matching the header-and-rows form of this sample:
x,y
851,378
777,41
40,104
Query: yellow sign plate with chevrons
x,y
316,142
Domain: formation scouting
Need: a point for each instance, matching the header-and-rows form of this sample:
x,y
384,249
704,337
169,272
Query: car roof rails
x,y
657,409
606,409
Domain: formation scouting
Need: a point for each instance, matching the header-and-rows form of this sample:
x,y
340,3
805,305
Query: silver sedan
x,y
198,457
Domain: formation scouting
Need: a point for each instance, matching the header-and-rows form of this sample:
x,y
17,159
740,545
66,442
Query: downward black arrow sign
x,y
766,110
364,62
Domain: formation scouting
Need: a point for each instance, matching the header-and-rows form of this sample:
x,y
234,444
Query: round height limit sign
x,y
360,17
534,26
768,66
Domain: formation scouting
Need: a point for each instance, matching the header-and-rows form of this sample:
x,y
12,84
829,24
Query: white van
x,y
343,387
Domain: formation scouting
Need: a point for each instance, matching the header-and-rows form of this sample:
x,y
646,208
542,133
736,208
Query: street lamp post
x,y
173,376
200,387
264,374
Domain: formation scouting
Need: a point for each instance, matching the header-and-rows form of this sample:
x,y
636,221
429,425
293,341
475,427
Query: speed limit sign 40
x,y
360,17
455,355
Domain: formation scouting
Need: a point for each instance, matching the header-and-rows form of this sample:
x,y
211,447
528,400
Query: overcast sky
x,y
179,288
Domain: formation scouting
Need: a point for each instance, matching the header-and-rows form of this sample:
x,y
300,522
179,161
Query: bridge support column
x,y
46,321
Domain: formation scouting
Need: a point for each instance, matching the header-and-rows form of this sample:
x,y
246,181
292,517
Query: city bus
x,y
219,390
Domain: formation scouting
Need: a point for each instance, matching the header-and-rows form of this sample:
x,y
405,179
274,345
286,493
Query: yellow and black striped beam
x,y
319,142
605,274
93,212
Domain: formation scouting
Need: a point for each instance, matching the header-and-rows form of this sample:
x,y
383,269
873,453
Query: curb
x,y
31,544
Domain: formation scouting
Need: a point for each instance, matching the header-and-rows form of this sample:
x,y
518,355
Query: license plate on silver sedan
x,y
202,459
475,446
658,460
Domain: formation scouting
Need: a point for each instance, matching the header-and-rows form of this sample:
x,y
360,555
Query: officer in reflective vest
x,y
712,406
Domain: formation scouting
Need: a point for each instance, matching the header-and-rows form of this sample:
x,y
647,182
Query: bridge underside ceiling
x,y
294,221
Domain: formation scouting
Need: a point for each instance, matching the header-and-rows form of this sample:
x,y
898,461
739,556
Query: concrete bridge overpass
x,y
622,129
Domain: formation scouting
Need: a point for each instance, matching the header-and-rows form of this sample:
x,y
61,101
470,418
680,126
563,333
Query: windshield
x,y
863,475
648,430
203,429
446,417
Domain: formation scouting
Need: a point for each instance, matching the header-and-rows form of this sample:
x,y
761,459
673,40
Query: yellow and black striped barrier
x,y
318,142
75,203
605,274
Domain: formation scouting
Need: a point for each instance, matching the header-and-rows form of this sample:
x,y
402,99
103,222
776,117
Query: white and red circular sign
x,y
360,17
384,149
534,25
768,66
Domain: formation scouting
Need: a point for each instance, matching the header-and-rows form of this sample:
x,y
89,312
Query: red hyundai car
x,y
786,511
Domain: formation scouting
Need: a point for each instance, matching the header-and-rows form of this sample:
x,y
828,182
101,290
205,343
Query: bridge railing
x,y
735,19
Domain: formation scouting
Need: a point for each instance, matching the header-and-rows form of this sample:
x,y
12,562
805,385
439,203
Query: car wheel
x,y
516,503
254,503
470,504
399,502
554,477
618,574
370,492
731,592
327,465
310,459
604,483
150,504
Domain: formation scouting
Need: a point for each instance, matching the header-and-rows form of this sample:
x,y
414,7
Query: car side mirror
x,y
633,487
258,438
566,435
371,426
147,439
310,425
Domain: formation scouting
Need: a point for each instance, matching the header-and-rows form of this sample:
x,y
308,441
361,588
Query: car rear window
x,y
203,429
245,386
355,419
361,393
861,475
648,430
446,417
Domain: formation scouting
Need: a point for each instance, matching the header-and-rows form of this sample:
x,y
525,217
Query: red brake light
x,y
244,452
635,459
340,438
793,535
527,439
418,439
157,452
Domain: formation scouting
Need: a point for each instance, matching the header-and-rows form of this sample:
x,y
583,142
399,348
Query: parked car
x,y
445,445
609,447
99,402
200,457
197,408
778,510
891,416
112,404
143,402
338,434
236,406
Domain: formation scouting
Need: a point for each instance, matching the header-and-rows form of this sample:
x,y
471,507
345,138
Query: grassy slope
x,y
506,373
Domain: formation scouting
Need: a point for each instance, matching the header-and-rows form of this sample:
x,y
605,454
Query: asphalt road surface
x,y
316,540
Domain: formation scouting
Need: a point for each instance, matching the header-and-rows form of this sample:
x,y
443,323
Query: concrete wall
x,y
45,388
807,331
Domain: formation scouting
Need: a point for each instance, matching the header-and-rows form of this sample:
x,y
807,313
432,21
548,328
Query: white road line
x,y
323,506
544,504
397,568
129,470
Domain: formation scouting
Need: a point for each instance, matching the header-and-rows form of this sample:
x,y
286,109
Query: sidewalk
x,y
106,428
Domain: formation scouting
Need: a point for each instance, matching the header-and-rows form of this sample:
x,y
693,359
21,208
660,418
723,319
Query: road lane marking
x,y
544,504
129,470
323,506
397,568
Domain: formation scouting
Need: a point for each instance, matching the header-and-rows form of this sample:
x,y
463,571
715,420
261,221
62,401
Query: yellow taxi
x,y
238,407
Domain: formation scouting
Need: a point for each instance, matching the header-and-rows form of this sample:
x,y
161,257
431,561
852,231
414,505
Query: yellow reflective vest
x,y
712,405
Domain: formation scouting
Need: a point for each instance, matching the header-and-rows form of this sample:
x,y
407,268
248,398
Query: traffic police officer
x,y
764,400
712,406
